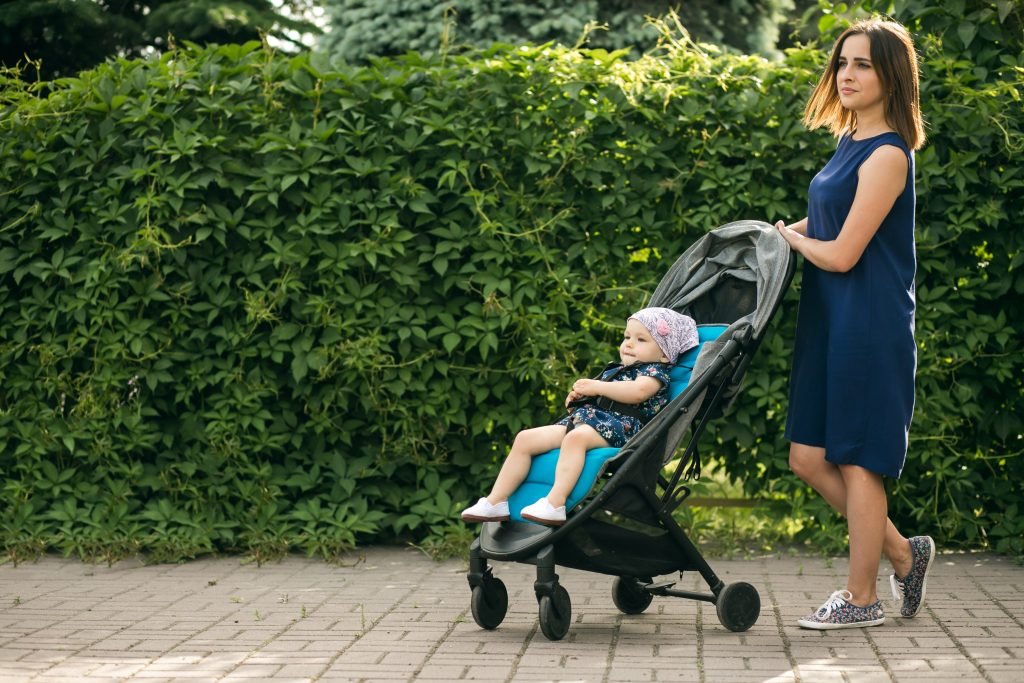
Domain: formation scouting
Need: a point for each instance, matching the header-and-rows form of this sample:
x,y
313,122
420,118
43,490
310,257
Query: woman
x,y
852,384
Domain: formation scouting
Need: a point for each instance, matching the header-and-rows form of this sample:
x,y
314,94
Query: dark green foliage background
x,y
63,37
248,305
360,29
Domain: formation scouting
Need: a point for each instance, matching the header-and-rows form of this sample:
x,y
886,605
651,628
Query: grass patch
x,y
725,522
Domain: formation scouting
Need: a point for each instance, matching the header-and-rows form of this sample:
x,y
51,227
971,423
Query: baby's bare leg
x,y
527,444
571,460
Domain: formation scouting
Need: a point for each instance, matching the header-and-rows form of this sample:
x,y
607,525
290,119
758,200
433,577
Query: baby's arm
x,y
631,391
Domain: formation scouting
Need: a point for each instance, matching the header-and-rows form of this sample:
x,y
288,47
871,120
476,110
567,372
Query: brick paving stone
x,y
120,670
257,671
932,677
164,674
627,675
450,673
683,676
356,658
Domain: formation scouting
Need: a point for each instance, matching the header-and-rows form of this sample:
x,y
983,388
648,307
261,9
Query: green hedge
x,y
249,305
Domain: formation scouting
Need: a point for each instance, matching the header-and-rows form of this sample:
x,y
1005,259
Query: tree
x,y
66,36
985,33
363,28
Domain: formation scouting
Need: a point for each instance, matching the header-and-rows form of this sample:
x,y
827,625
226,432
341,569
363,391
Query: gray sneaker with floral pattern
x,y
839,612
909,591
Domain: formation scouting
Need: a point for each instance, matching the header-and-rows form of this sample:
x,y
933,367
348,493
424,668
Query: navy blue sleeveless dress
x,y
854,358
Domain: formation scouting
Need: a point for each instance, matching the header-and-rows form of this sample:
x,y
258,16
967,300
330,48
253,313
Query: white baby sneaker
x,y
483,511
542,512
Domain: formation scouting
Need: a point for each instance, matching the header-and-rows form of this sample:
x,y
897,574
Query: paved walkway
x,y
395,615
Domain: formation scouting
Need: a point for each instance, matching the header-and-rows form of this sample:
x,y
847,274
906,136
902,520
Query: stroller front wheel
x,y
489,603
555,614
629,595
738,606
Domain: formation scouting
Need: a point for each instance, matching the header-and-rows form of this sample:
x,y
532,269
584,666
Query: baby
x,y
603,412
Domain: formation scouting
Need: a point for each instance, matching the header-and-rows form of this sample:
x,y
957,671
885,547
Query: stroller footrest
x,y
659,588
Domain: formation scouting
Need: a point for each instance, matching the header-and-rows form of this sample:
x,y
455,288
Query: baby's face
x,y
638,345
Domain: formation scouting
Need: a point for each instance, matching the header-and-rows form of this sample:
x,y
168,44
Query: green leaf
x,y
967,30
299,367
450,341
8,259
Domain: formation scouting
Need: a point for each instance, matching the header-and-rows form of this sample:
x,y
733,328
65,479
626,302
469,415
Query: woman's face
x,y
856,76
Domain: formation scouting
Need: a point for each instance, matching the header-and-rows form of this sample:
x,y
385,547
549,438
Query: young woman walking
x,y
852,384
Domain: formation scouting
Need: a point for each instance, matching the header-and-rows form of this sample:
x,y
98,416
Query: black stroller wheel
x,y
489,603
738,606
629,596
555,614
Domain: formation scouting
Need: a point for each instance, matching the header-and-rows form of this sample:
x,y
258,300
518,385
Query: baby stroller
x,y
731,282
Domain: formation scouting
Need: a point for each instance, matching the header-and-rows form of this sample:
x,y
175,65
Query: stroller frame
x,y
626,529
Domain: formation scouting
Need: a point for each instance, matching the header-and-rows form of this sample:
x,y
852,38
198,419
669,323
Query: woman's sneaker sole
x,y
820,626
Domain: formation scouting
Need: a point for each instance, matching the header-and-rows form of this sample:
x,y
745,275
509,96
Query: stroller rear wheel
x,y
489,603
555,613
738,606
629,595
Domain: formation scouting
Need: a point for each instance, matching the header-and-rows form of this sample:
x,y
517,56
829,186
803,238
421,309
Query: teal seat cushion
x,y
542,470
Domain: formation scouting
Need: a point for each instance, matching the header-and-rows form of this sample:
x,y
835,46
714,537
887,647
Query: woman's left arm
x,y
880,182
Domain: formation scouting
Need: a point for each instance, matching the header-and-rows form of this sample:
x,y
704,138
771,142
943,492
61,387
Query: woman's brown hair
x,y
894,58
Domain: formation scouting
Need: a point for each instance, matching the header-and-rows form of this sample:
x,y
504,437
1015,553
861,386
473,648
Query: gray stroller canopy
x,y
733,275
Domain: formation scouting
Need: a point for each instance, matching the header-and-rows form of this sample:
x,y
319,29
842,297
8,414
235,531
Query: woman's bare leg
x,y
571,460
527,444
808,462
866,516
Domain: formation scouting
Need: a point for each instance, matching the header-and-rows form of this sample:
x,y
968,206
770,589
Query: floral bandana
x,y
673,332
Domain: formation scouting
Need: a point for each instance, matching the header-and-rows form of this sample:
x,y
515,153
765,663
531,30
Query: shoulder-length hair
x,y
895,60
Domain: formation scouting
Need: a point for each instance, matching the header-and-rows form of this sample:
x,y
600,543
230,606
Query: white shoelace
x,y
897,588
834,602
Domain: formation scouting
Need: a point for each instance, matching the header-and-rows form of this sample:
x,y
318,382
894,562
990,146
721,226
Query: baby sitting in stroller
x,y
603,412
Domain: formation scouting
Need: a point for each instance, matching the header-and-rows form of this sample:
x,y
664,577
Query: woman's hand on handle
x,y
791,236
800,227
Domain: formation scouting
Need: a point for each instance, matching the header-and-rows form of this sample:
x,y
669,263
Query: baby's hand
x,y
587,387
